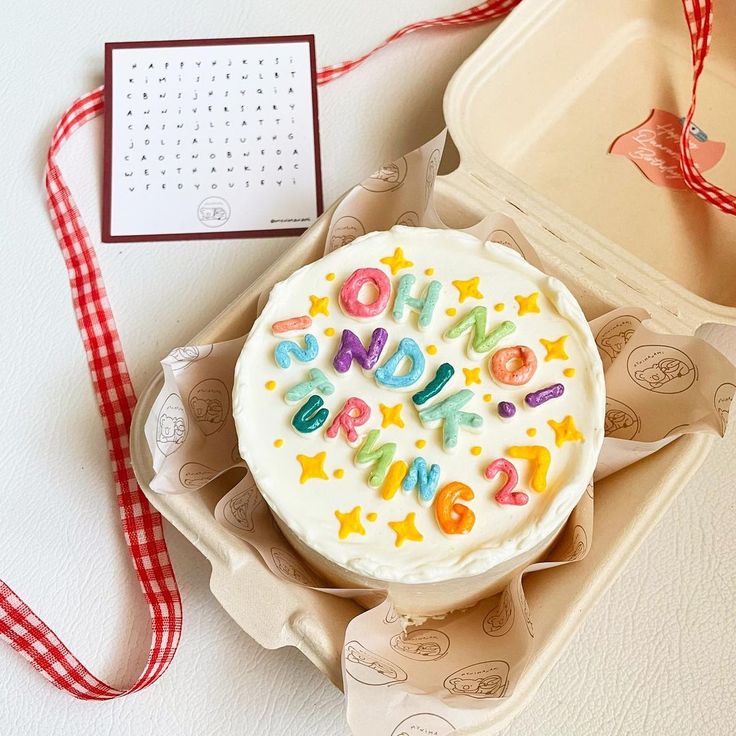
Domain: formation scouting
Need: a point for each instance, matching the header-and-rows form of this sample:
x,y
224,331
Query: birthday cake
x,y
421,411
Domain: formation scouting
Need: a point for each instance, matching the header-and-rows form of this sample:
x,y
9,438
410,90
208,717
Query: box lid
x,y
534,111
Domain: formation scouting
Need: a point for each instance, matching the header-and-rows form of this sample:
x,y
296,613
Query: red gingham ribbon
x,y
699,16
142,526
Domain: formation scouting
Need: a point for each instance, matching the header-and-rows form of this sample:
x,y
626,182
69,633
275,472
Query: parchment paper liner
x,y
446,674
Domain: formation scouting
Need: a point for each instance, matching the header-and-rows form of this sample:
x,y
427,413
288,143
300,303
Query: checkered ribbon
x,y
699,16
142,526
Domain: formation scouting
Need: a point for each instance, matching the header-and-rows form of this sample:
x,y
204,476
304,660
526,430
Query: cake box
x,y
533,113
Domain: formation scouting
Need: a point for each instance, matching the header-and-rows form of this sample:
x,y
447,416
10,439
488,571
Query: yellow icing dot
x,y
476,450
499,307
396,262
312,467
555,349
569,372
539,458
391,415
531,432
468,289
330,331
392,481
406,530
270,385
372,516
339,473
429,272
527,304
472,375
420,443
330,276
278,443
432,349
349,523
320,305
487,397
451,311
566,431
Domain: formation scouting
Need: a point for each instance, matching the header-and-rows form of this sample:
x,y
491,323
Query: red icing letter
x,y
352,415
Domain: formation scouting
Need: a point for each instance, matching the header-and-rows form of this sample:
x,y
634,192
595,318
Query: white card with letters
x,y
213,138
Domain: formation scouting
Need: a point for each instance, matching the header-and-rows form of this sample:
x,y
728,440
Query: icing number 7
x,y
506,495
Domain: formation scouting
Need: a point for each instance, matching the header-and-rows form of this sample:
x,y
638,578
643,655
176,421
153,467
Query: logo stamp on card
x,y
422,645
500,618
621,421
424,724
370,668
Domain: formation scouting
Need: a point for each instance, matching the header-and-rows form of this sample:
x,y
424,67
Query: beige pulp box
x,y
533,112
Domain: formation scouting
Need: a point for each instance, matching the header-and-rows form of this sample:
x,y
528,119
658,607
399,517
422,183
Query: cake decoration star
x,y
397,261
555,349
320,305
312,467
468,289
472,375
349,523
566,431
528,304
406,530
391,415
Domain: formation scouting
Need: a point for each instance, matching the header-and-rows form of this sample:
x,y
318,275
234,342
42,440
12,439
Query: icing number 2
x,y
506,496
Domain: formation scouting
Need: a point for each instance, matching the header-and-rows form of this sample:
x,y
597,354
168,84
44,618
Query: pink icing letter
x,y
348,419
351,304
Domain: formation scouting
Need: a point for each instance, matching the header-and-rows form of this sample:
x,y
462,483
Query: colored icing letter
x,y
386,374
448,413
310,416
288,348
424,305
393,479
442,375
352,349
381,457
293,324
514,366
453,517
506,495
427,481
539,458
317,381
354,414
475,322
350,293
537,398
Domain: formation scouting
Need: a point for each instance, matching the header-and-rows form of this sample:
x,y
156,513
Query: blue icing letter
x,y
386,374
286,348
447,412
317,381
424,305
310,416
427,481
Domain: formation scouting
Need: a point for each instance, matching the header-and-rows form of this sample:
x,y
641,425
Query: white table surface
x,y
656,655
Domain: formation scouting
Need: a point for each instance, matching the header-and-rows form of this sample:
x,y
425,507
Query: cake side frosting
x,y
419,406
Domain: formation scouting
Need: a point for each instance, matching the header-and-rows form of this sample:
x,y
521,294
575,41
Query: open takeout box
x,y
533,113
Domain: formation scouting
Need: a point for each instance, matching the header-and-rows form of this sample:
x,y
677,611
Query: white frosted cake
x,y
421,411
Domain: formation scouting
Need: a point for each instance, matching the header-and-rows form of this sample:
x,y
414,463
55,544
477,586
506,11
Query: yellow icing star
x,y
312,467
406,530
397,261
566,431
349,523
555,349
539,458
320,305
472,375
391,415
527,304
468,289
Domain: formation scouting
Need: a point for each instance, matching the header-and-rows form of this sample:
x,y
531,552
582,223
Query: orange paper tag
x,y
654,146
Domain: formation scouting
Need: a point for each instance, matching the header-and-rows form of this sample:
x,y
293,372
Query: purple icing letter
x,y
536,398
351,348
506,409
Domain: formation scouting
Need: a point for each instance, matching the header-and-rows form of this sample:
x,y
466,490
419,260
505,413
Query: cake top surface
x,y
418,405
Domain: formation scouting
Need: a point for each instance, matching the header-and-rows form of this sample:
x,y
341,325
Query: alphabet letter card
x,y
213,138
